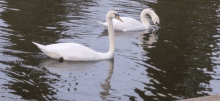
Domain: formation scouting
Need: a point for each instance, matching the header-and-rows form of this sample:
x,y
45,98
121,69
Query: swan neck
x,y
144,20
111,38
153,15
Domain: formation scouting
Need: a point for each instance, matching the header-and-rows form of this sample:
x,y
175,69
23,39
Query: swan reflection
x,y
68,65
147,37
67,68
106,86
130,34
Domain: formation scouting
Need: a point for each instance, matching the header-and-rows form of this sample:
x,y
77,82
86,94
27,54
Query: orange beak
x,y
117,17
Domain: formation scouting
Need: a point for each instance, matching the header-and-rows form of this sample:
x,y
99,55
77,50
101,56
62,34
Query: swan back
x,y
153,15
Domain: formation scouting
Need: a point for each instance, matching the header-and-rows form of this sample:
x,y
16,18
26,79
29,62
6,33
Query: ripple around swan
x,y
180,60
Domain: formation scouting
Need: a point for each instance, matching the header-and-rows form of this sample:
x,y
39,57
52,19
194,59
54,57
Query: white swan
x,y
78,52
131,24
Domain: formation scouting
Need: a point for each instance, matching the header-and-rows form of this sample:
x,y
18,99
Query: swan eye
x,y
148,16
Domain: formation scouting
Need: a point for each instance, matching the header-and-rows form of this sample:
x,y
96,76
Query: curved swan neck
x,y
153,15
111,37
144,20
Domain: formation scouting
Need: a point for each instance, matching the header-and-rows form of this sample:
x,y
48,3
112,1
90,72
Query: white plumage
x,y
131,24
78,52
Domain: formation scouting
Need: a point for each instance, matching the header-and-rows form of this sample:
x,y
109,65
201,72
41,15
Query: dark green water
x,y
181,60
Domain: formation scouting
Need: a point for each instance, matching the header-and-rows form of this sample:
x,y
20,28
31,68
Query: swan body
x,y
71,51
78,52
127,25
131,24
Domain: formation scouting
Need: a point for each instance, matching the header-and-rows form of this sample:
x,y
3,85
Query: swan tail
x,y
41,47
100,22
49,53
103,24
38,45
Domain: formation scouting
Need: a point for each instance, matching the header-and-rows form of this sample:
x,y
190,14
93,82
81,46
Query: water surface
x,y
179,61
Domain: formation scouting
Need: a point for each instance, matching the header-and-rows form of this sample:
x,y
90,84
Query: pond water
x,y
180,60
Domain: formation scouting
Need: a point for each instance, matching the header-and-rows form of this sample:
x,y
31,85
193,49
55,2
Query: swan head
x,y
113,14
